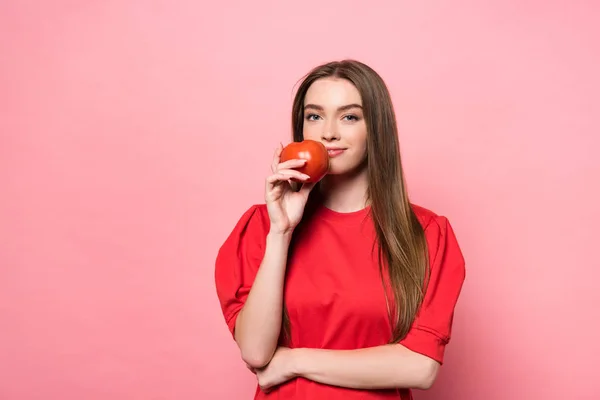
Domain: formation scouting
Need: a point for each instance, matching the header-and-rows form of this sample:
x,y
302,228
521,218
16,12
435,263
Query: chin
x,y
345,169
338,168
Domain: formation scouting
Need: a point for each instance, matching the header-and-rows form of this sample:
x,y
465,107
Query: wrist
x,y
279,237
299,360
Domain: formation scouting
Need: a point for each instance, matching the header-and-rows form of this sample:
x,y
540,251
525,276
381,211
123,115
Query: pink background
x,y
134,134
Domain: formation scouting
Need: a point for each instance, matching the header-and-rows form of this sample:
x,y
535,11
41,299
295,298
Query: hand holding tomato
x,y
286,206
315,154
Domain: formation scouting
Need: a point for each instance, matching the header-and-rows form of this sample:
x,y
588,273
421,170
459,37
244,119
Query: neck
x,y
345,193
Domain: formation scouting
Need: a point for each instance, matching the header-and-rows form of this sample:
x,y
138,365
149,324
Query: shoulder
x,y
437,227
427,217
440,236
252,226
256,215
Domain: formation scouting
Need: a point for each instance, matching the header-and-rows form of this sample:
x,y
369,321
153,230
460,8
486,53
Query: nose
x,y
330,133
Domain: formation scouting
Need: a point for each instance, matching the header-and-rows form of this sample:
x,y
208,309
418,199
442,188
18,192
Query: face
x,y
333,115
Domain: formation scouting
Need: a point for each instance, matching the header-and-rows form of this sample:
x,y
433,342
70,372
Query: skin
x,y
333,115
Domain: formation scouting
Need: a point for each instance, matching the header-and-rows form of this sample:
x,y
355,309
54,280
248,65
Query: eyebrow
x,y
342,108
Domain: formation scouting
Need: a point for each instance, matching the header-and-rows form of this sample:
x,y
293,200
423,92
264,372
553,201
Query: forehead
x,y
332,92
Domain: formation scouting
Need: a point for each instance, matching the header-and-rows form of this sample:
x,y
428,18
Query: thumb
x,y
307,187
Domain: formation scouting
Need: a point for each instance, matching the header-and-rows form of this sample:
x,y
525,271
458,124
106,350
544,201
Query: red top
x,y
334,294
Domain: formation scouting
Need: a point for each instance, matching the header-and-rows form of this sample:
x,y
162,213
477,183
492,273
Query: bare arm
x,y
381,367
258,324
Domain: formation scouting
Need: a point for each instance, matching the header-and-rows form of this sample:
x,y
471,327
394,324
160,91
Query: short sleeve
x,y
431,330
238,260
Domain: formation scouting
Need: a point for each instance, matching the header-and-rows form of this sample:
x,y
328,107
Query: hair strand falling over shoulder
x,y
401,244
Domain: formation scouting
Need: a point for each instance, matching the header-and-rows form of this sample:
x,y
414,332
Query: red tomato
x,y
317,164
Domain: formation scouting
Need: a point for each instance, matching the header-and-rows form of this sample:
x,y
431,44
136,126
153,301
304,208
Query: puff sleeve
x,y
431,330
238,260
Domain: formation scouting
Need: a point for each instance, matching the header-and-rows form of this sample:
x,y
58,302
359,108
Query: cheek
x,y
311,132
357,135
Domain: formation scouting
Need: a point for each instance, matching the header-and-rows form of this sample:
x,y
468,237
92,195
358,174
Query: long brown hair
x,y
401,244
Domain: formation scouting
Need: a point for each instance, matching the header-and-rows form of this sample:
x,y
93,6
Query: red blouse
x,y
334,294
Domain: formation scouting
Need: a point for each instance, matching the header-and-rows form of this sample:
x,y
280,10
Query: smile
x,y
335,152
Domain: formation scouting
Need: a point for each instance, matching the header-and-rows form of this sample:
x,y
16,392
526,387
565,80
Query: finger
x,y
276,157
292,173
286,175
276,178
307,187
295,163
275,185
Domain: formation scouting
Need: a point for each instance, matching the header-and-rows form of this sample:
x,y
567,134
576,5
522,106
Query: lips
x,y
334,152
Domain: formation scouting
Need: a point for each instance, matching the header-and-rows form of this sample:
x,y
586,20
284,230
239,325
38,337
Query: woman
x,y
341,289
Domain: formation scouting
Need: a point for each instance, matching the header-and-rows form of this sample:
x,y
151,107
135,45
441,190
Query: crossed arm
x,y
258,323
258,326
382,367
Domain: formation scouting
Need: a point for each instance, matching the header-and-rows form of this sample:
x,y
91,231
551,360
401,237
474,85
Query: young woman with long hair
x,y
341,289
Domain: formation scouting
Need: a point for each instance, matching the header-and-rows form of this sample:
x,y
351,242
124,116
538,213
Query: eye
x,y
351,117
312,117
